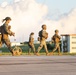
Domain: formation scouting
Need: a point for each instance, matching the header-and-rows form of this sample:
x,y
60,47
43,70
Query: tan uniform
x,y
56,39
43,41
31,44
5,32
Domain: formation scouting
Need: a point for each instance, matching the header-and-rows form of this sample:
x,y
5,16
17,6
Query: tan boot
x,y
34,53
47,54
14,53
37,54
60,54
51,53
29,53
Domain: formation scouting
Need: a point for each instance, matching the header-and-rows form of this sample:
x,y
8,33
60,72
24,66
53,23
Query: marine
x,y
31,44
5,32
43,35
56,39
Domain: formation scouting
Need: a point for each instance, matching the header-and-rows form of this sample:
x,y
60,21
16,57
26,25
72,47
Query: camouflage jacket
x,y
43,35
6,30
56,38
31,40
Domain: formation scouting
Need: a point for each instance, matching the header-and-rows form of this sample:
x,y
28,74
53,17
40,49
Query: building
x,y
68,43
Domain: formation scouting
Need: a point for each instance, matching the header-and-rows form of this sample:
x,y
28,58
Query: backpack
x,y
1,28
40,33
56,39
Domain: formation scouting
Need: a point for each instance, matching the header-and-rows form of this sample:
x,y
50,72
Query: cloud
x,y
65,24
16,0
4,4
28,16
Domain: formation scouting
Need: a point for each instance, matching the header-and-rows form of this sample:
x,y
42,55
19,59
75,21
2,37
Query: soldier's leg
x,y
8,43
33,48
0,40
39,48
56,46
45,47
54,49
59,50
29,51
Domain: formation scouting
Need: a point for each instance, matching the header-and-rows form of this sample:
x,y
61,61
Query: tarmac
x,y
38,65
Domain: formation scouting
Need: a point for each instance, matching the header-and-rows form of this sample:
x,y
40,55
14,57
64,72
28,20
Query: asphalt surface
x,y
38,65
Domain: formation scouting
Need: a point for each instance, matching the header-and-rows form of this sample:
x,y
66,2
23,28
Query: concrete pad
x,y
37,65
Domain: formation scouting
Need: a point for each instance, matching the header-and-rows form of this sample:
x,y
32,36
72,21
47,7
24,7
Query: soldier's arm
x,y
32,39
52,41
12,34
8,31
59,37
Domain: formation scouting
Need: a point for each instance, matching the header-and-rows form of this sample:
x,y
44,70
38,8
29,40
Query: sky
x,y
62,5
29,15
55,7
59,7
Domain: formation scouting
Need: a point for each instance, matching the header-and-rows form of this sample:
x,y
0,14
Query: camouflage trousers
x,y
42,44
8,44
32,47
57,47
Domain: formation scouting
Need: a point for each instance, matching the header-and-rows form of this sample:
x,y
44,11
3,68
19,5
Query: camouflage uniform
x,y
56,38
31,45
0,40
5,32
43,41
